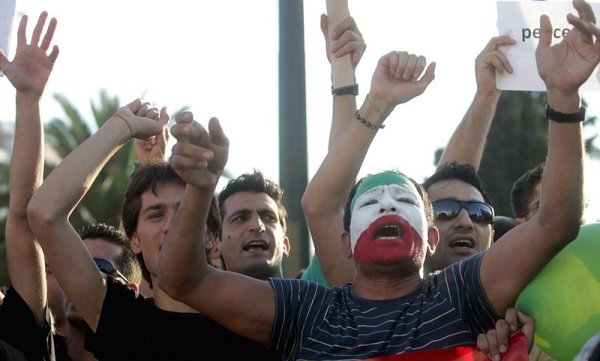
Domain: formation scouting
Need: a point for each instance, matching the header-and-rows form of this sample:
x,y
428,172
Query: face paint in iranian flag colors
x,y
391,235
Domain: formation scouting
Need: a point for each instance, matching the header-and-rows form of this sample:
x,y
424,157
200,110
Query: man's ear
x,y
286,246
347,244
134,287
433,239
136,245
216,257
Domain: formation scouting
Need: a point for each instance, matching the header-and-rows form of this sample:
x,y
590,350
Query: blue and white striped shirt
x,y
314,322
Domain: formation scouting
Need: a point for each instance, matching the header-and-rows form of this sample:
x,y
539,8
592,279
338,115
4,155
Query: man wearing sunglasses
x,y
462,213
299,317
110,249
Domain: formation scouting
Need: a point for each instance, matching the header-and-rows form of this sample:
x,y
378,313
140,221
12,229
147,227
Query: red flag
x,y
517,351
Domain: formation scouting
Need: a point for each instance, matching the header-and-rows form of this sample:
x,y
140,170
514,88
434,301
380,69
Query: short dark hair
x,y
255,182
460,171
150,175
522,190
126,262
427,203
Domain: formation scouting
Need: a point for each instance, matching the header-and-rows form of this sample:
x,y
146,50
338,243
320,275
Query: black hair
x,y
460,171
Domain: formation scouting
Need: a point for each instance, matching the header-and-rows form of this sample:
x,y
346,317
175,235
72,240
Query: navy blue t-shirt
x,y
313,322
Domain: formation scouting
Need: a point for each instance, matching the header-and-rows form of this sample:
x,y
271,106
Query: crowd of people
x,y
399,266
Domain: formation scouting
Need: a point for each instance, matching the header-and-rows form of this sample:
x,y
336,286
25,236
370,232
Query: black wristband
x,y
345,90
559,117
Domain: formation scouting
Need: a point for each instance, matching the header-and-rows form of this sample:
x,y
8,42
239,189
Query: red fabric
x,y
517,351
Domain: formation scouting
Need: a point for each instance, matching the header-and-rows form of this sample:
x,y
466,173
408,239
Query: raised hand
x,y
31,66
199,156
142,119
490,61
568,64
396,79
153,148
347,39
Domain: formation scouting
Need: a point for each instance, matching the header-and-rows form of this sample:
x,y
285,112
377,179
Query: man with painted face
x,y
390,304
389,231
460,236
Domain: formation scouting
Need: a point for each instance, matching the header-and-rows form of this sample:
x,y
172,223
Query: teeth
x,y
256,244
389,231
461,243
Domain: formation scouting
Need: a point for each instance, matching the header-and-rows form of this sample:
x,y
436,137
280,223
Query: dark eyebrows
x,y
161,206
268,212
154,207
240,212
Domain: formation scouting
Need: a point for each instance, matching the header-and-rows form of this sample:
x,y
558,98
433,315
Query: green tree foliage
x,y
517,141
103,201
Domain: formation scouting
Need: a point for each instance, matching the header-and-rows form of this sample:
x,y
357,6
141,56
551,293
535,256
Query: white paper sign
x,y
7,13
521,21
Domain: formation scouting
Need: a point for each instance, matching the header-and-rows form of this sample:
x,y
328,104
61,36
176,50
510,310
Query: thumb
x,y
428,77
3,60
325,26
217,135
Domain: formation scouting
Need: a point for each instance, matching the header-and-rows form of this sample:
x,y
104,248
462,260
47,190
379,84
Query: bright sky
x,y
220,58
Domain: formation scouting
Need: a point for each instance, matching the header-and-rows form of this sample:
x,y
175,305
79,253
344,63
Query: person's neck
x,y
75,337
166,303
385,287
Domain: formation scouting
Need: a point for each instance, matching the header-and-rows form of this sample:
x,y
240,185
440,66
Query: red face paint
x,y
388,240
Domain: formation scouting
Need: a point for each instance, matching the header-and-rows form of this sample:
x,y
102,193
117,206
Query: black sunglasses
x,y
479,212
108,268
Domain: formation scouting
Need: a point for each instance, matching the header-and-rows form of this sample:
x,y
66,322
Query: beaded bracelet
x,y
367,123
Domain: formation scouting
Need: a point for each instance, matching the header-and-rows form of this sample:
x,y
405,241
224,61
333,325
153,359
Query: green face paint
x,y
383,178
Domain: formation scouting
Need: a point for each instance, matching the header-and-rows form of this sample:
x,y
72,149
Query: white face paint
x,y
385,200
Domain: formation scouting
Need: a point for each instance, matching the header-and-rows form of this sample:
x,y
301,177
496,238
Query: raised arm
x,y
468,140
395,81
60,193
199,157
28,72
346,41
525,250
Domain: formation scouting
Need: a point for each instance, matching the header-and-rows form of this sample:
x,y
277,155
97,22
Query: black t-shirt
x,y
19,330
131,327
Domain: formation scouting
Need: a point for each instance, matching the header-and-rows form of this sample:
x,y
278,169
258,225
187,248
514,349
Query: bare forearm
x,y
561,203
468,140
183,259
68,183
26,164
25,259
344,107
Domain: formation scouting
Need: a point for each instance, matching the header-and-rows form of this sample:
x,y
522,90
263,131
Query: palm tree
x,y
103,201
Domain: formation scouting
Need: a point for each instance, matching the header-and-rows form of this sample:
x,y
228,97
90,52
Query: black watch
x,y
346,90
559,117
